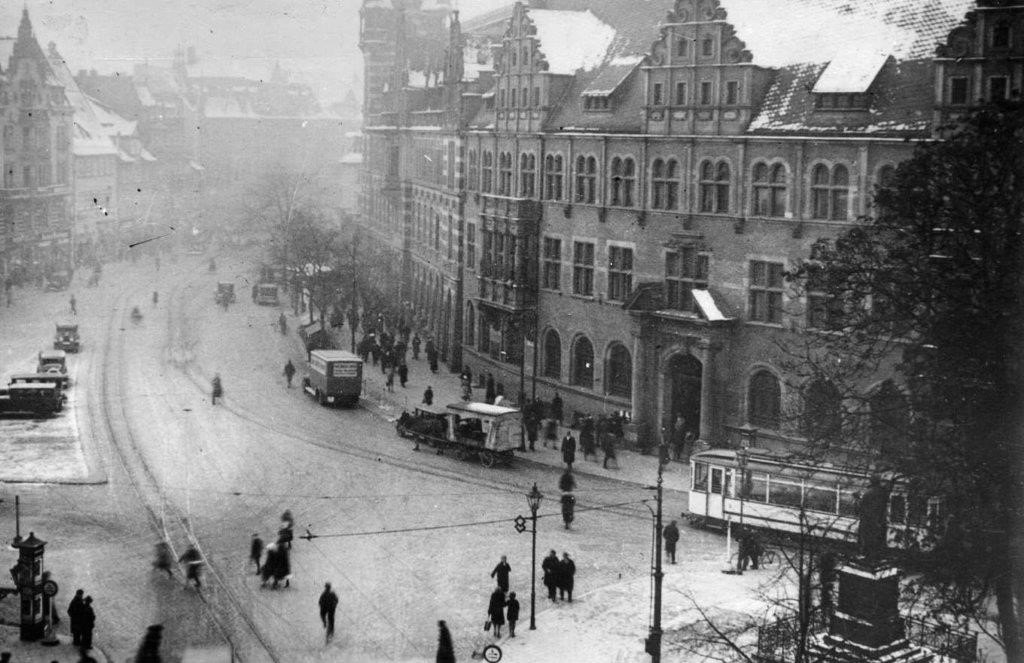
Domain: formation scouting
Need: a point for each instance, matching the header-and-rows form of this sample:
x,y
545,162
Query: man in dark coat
x,y
75,617
193,562
445,648
496,610
403,374
671,536
328,604
289,372
416,346
550,568
532,426
512,613
568,450
568,507
256,551
149,650
489,393
428,396
87,622
587,442
566,576
502,571
556,408
551,433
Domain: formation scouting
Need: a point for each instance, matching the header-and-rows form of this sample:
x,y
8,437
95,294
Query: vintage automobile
x,y
470,430
67,338
266,294
58,280
37,379
335,376
225,293
55,363
41,398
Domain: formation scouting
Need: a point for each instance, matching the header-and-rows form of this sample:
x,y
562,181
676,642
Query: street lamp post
x,y
533,499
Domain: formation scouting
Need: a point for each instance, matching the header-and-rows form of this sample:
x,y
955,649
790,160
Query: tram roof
x,y
482,409
769,461
336,355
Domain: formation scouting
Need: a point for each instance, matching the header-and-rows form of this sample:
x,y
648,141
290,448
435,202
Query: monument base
x,y
835,649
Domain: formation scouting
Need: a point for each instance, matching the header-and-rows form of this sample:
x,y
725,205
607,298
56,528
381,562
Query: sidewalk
x,y
633,467
35,652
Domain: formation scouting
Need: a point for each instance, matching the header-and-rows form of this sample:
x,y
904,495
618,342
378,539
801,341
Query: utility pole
x,y
652,645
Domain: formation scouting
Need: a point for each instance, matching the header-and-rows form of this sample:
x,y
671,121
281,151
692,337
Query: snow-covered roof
x,y
851,71
571,40
826,28
708,308
612,75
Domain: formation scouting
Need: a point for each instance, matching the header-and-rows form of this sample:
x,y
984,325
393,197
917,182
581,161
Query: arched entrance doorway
x,y
682,389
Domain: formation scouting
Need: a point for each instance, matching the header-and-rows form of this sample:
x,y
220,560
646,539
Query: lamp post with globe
x,y
533,499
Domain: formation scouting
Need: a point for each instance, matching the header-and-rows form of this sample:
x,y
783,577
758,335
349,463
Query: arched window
x,y
583,363
769,190
470,325
886,175
487,172
618,372
527,174
552,355
586,179
714,187
623,181
553,177
830,192
665,179
505,174
823,411
764,401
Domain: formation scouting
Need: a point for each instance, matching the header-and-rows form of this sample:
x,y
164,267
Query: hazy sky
x,y
316,36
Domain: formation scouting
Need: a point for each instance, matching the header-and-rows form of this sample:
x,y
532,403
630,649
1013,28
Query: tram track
x,y
225,608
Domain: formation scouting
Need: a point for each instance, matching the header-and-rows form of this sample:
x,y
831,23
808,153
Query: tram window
x,y
916,510
847,503
716,480
700,477
757,487
898,509
820,498
784,493
729,483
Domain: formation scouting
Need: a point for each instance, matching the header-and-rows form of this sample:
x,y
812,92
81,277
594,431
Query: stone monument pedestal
x,y
866,626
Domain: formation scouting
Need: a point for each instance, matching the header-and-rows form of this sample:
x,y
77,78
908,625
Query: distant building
x,y
603,196
35,200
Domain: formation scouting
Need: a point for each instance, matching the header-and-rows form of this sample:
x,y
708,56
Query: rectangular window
x,y
958,90
471,245
757,487
681,93
512,98
26,176
765,291
682,47
820,498
583,269
700,478
784,493
705,93
551,276
536,97
526,97
501,98
656,95
732,92
997,88
685,270
620,273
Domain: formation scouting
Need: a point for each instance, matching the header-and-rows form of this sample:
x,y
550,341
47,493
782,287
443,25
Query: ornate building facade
x,y
628,183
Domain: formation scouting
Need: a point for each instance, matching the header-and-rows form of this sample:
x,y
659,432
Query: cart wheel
x,y
487,458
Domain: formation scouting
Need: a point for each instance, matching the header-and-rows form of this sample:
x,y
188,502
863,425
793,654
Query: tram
x,y
788,496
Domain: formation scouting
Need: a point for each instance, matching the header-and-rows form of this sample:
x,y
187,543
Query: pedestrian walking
x,y
587,438
608,446
328,604
193,562
217,389
551,433
467,373
489,392
556,408
390,380
403,374
532,426
749,550
550,568
512,613
88,622
416,352
496,610
566,576
256,551
568,508
678,436
671,536
428,396
501,572
75,616
289,372
74,307
445,648
568,450
163,558
149,649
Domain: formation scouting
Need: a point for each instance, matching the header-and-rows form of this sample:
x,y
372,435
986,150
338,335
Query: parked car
x,y
335,376
67,338
54,362
45,398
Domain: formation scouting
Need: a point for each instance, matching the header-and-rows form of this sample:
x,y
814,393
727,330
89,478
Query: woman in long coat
x,y
496,610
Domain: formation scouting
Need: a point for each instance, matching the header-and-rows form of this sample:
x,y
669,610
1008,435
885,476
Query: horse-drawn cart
x,y
469,430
